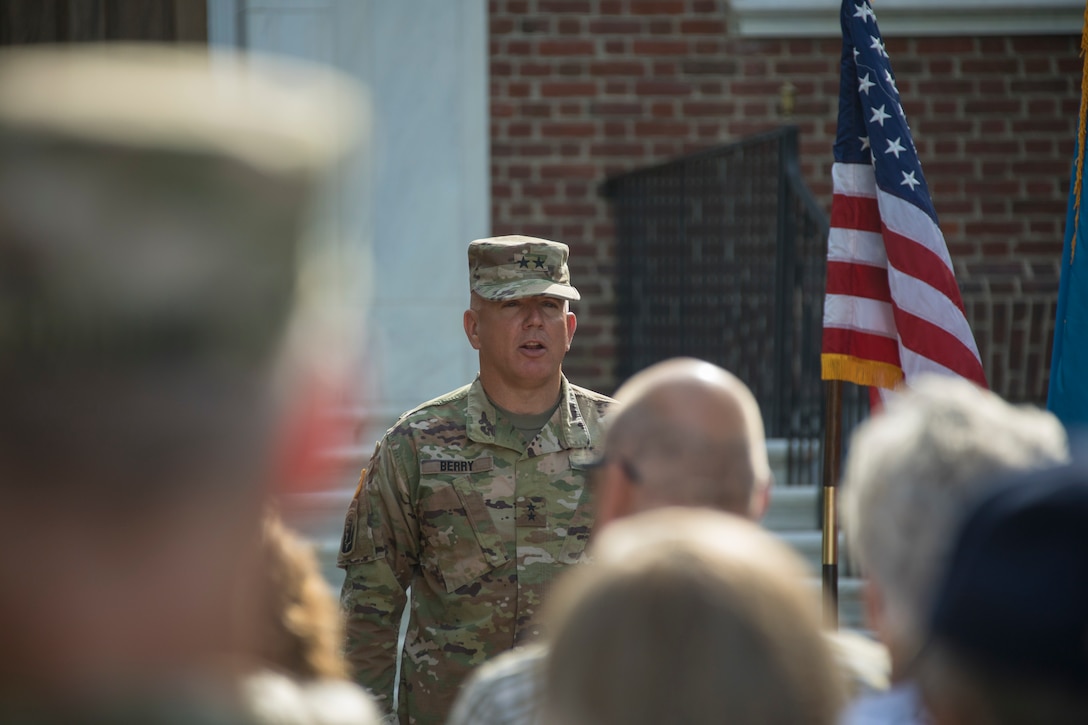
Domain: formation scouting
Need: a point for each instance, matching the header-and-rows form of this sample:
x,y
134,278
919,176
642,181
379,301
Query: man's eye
x,y
510,303
552,305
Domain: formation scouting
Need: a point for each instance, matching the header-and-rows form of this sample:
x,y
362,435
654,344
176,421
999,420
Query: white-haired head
x,y
908,472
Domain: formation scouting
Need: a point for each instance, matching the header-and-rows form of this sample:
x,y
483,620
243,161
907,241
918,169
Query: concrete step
x,y
793,508
809,544
794,516
795,462
851,608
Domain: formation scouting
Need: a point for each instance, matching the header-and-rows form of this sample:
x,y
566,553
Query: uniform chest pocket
x,y
581,522
460,542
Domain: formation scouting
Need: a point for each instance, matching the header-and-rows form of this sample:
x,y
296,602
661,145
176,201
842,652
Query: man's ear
x,y
472,328
572,325
761,499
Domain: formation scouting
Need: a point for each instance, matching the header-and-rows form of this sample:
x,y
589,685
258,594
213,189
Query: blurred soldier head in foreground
x,y
154,206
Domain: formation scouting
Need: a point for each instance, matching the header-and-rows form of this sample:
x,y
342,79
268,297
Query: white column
x,y
422,193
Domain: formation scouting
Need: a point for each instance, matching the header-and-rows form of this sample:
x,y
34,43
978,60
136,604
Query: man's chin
x,y
536,372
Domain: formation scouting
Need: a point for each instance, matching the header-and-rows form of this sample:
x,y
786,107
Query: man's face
x,y
522,341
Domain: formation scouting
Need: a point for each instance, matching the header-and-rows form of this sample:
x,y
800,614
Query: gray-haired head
x,y
909,471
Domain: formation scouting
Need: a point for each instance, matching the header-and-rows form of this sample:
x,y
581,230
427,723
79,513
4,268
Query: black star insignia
x,y
523,262
539,263
532,512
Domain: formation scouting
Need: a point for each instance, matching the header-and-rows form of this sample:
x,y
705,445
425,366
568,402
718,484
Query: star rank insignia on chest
x,y
531,513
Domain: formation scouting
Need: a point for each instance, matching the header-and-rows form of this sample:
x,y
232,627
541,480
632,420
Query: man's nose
x,y
534,315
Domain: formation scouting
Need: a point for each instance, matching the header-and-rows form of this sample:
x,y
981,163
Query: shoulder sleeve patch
x,y
351,523
356,541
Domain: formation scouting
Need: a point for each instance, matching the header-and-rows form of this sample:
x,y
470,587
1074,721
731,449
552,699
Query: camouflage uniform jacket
x,y
479,524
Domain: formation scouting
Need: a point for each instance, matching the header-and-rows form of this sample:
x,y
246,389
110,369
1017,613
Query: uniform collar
x,y
566,429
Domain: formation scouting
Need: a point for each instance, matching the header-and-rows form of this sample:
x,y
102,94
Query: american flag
x,y
893,310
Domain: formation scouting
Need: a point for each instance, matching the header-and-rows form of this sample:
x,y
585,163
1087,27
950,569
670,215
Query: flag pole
x,y
832,449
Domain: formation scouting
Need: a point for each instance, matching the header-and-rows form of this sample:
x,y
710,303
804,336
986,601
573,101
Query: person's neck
x,y
521,400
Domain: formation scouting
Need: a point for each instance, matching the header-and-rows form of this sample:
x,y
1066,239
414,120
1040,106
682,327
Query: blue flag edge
x,y
1067,396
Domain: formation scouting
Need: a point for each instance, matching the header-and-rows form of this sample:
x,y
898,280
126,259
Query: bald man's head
x,y
686,433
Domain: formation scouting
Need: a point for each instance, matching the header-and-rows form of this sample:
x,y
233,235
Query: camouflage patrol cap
x,y
503,268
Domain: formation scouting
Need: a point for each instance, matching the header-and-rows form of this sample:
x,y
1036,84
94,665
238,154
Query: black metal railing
x,y
721,255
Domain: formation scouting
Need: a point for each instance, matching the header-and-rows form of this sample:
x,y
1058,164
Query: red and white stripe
x,y
892,296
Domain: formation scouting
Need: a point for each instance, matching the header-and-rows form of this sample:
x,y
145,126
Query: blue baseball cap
x,y
1015,592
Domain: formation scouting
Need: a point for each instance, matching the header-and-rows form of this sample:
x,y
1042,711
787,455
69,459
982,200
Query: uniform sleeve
x,y
379,553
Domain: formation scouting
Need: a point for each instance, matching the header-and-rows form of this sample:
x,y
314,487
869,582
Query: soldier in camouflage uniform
x,y
476,500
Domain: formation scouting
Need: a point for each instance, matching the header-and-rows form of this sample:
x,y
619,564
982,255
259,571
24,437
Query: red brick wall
x,y
581,89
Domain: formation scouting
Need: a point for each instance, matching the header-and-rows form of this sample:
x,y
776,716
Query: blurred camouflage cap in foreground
x,y
503,268
153,199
